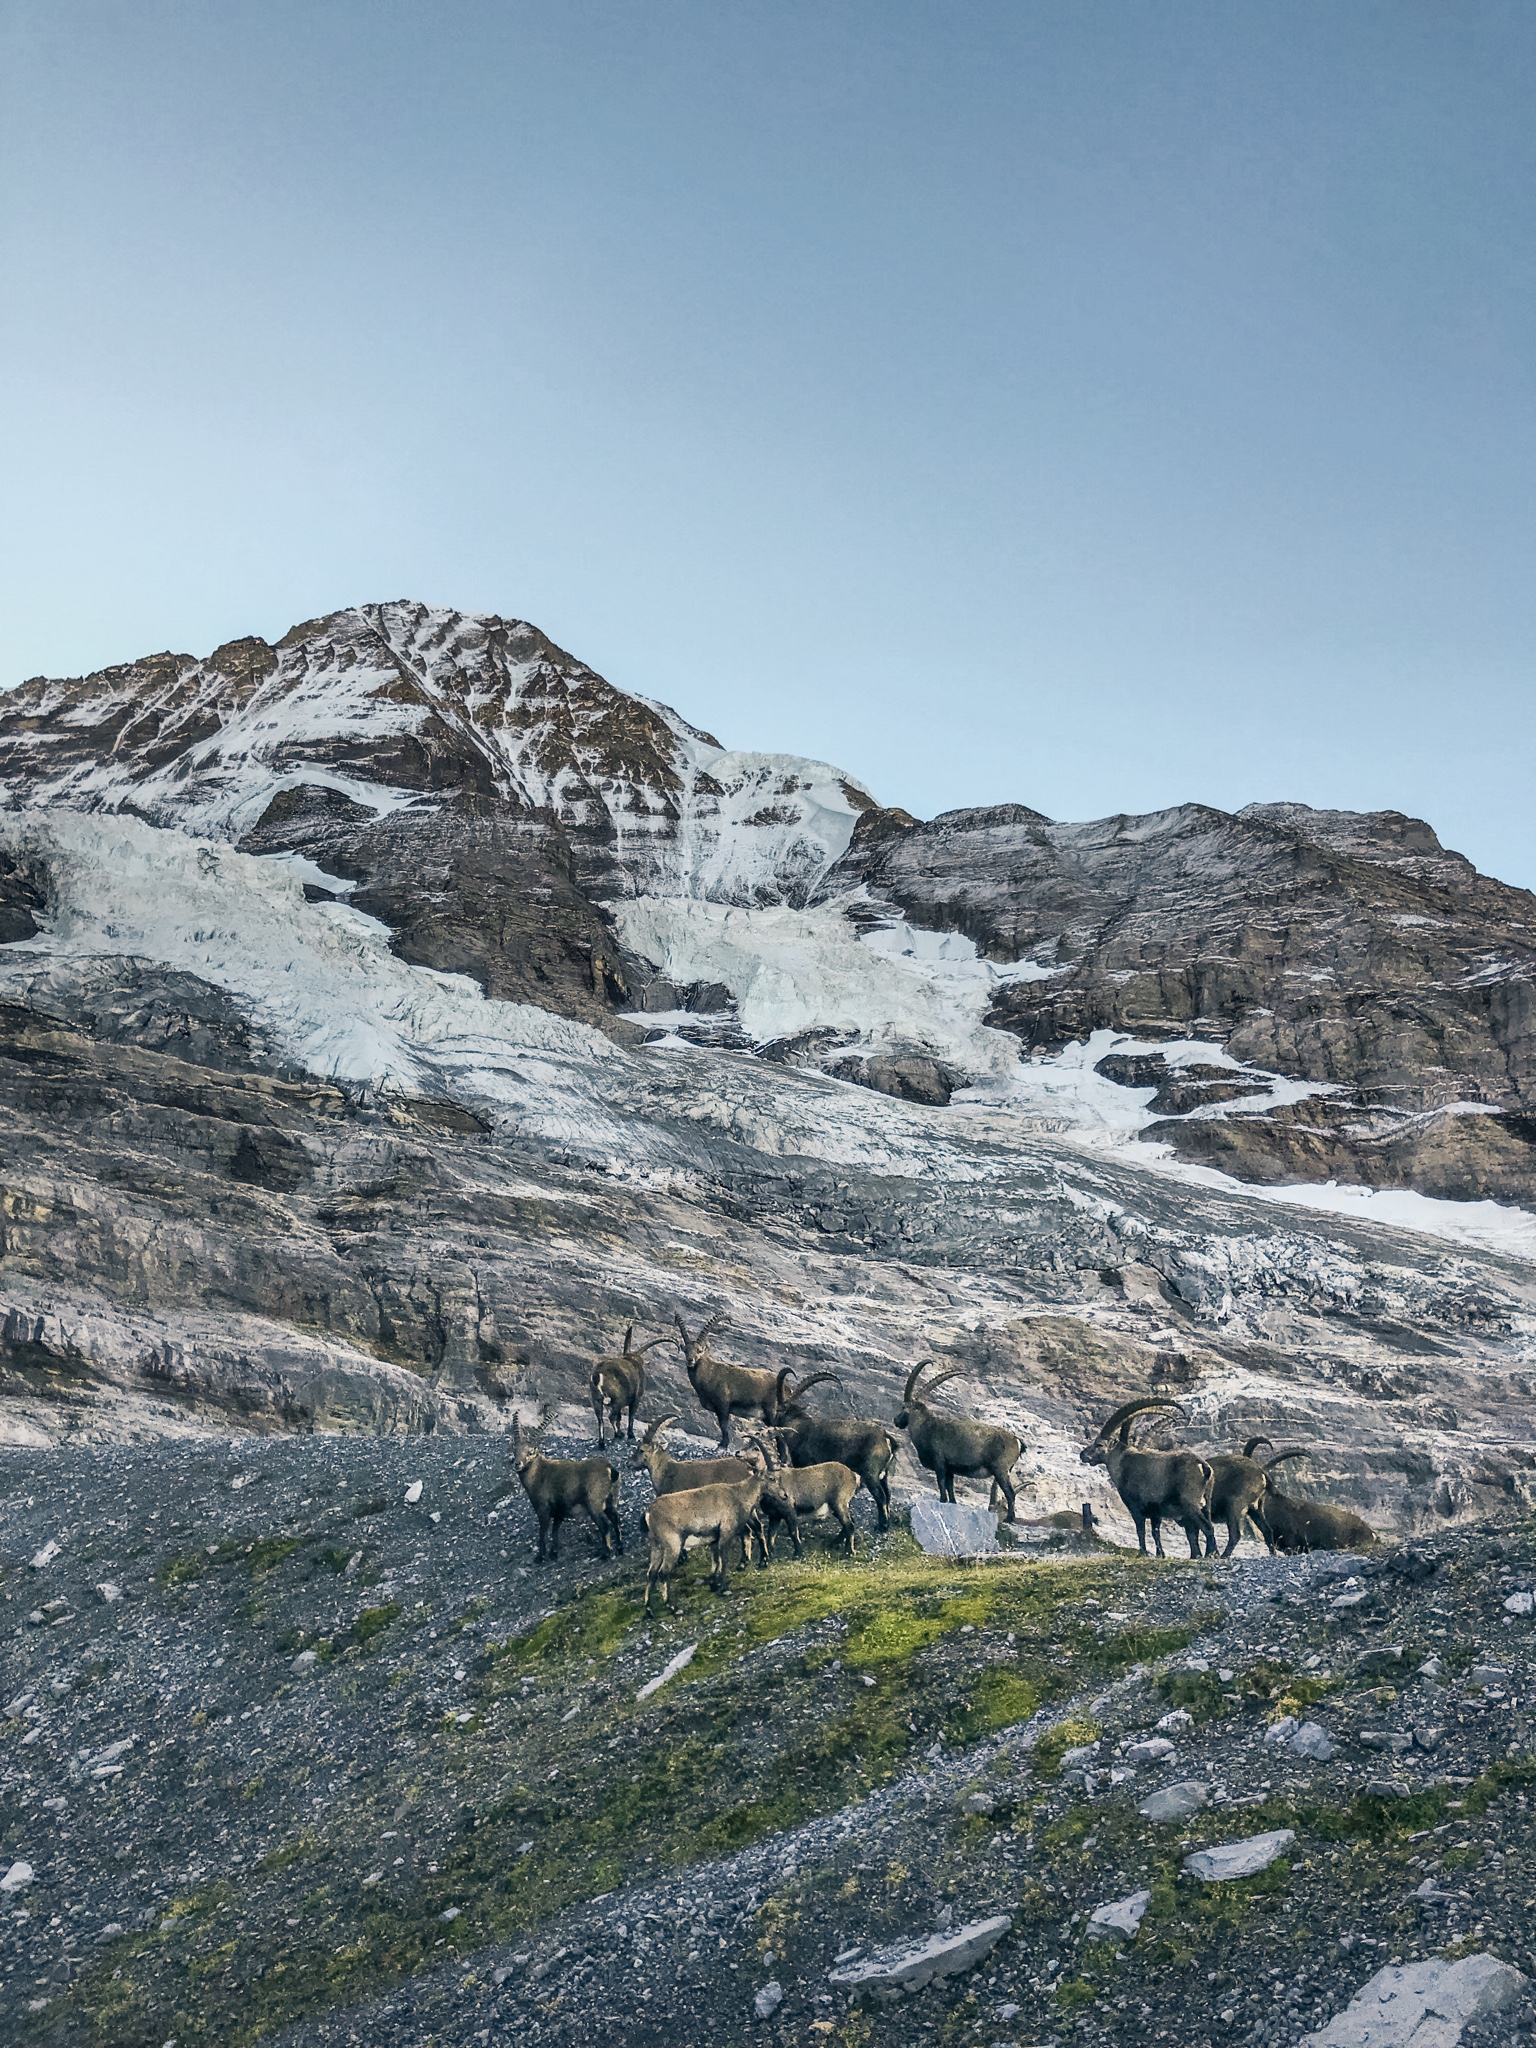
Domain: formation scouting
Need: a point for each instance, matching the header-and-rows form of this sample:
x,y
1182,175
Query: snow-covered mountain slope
x,y
398,706
1365,999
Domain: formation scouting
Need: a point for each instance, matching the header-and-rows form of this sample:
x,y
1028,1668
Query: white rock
x,y
1421,2005
413,1493
1312,1739
910,1965
107,1592
769,1999
18,1875
1176,1802
980,1802
41,1559
1347,1600
104,1759
1181,1717
946,1528
1486,1674
306,1660
1074,1759
684,1657
1517,1603
1231,1860
1121,1917
1157,1751
1281,1728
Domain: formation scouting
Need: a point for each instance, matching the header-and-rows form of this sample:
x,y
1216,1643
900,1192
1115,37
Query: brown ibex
x,y
1294,1524
557,1487
678,1475
866,1448
1237,1486
954,1446
727,1390
618,1385
794,1494
1154,1483
718,1515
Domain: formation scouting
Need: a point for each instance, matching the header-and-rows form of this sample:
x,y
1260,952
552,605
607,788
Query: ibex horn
x,y
1136,1408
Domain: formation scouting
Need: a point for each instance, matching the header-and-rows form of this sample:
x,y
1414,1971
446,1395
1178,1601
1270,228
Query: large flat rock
x,y
893,1972
1421,2005
1229,1861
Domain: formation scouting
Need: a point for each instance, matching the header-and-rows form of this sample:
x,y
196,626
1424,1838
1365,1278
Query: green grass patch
x,y
181,1571
270,1551
373,1621
1200,1693
998,1699
1072,1733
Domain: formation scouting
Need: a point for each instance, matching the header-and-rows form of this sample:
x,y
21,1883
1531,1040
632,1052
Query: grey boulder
x,y
1421,2005
1176,1802
892,1972
1229,1861
946,1528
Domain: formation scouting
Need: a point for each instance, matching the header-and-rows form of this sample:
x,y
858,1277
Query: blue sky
x,y
1092,405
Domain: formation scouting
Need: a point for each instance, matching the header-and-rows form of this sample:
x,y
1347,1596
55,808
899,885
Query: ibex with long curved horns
x,y
557,1487
727,1390
618,1384
1154,1483
953,1446
1291,1523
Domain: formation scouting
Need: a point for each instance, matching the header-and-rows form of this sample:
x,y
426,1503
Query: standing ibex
x,y
618,1384
953,1446
1237,1486
677,1475
1154,1483
557,1487
793,1494
727,1390
866,1448
718,1515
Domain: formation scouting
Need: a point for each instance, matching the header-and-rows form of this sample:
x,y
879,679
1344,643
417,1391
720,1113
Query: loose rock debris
x,y
272,1794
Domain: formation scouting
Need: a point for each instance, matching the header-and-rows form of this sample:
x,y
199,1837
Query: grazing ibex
x,y
953,1446
678,1475
727,1390
618,1384
718,1515
794,1494
1154,1483
1290,1523
866,1448
557,1487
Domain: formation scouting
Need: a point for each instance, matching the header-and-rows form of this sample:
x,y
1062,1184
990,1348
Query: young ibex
x,y
618,1384
727,1390
557,1487
1154,1483
678,1475
953,1446
792,1494
718,1515
1290,1523
866,1448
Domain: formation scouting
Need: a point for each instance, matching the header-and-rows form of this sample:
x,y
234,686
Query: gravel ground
x,y
292,1755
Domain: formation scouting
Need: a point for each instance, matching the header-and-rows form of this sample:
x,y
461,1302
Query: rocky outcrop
x,y
1352,952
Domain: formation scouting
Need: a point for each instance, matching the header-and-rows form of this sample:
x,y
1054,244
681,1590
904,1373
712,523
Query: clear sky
x,y
1084,402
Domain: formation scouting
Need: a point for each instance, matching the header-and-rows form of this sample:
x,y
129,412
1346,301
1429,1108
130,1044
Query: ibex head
x,y
695,1347
1096,1450
911,1399
526,1450
649,1446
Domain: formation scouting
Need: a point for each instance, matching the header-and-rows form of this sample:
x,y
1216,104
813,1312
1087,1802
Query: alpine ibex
x,y
1290,1523
618,1384
718,1515
792,1494
866,1448
727,1390
954,1446
1154,1483
557,1487
678,1475
1237,1485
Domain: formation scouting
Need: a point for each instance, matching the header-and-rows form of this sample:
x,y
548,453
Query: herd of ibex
x,y
799,1466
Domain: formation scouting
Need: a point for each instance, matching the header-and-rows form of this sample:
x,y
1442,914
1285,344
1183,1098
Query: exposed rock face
x,y
268,1156
1353,952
